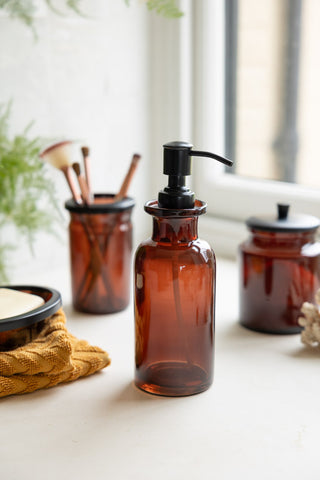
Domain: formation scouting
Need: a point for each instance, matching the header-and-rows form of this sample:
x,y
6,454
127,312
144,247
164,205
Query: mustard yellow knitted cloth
x,y
55,356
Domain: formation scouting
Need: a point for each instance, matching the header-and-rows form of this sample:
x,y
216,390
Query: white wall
x,y
84,78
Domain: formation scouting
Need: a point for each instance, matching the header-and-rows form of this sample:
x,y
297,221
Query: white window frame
x,y
195,112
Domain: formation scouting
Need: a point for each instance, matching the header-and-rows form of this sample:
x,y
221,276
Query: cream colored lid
x,y
14,302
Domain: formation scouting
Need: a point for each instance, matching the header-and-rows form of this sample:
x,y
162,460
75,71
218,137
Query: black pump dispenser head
x,y
177,164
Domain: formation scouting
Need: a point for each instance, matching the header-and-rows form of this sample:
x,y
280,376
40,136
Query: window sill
x,y
223,235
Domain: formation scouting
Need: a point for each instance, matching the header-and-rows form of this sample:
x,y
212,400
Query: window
x,y
272,95
241,78
269,104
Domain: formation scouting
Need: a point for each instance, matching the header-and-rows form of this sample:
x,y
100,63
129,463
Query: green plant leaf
x,y
72,4
24,10
166,8
27,194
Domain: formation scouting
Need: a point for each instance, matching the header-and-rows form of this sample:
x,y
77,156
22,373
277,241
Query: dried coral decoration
x,y
310,322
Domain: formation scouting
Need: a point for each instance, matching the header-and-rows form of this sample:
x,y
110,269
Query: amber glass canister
x,y
174,304
279,270
100,237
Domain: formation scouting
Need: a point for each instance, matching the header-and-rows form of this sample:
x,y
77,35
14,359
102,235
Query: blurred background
x,y
236,77
82,77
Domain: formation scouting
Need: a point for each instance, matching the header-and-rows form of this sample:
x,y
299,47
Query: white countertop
x,y
259,420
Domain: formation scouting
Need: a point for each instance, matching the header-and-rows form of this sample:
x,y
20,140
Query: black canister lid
x,y
284,222
52,303
103,204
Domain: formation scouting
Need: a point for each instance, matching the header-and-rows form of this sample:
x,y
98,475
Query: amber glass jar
x,y
100,237
174,305
279,270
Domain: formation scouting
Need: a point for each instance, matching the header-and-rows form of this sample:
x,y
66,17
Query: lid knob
x,y
284,222
283,210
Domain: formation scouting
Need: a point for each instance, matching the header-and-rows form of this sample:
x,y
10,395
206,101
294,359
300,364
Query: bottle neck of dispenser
x,y
175,231
173,227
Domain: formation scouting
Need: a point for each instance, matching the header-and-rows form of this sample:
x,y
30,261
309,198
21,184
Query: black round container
x,y
19,329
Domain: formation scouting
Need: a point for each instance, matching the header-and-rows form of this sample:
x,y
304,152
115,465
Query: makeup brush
x,y
86,161
58,155
127,180
82,183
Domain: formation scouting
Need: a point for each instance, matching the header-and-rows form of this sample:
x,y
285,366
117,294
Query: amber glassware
x,y
100,237
174,305
278,272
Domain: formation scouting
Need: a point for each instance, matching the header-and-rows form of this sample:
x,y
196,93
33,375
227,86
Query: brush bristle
x,y
58,155
76,168
136,157
85,151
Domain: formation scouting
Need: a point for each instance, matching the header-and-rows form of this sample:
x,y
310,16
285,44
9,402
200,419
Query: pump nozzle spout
x,y
225,161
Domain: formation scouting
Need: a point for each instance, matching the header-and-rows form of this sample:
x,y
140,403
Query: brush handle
x,y
86,162
127,180
67,170
84,189
87,169
95,268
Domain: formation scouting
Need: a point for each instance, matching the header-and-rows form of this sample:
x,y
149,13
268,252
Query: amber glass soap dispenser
x,y
174,288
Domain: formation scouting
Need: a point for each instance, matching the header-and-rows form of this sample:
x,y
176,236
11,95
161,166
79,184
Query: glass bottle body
x,y
278,272
100,254
174,308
